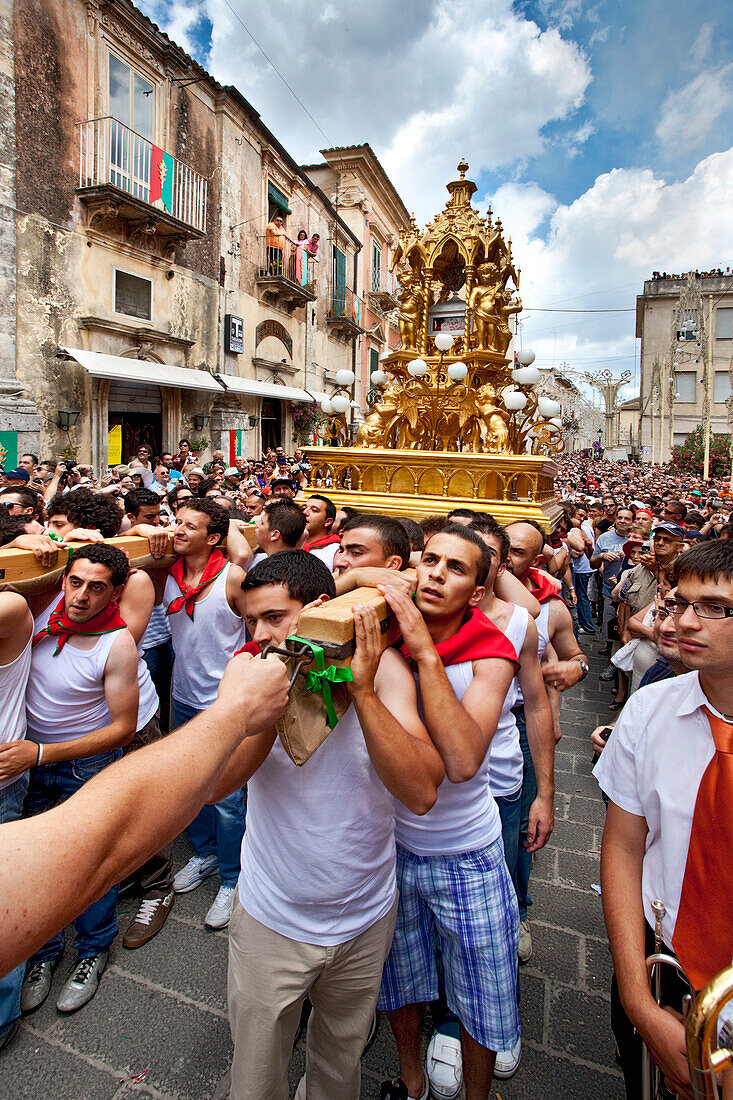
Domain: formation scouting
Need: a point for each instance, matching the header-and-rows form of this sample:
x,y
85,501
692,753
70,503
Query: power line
x,y
274,66
544,309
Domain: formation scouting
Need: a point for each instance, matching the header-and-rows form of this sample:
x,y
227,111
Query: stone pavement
x,y
160,1012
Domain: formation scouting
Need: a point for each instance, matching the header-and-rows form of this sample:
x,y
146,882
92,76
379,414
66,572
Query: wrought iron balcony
x,y
286,275
127,182
344,312
381,291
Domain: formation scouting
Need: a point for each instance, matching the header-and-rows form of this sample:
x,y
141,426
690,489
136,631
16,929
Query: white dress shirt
x,y
652,767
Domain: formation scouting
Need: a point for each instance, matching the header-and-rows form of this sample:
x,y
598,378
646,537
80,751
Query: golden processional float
x,y
454,422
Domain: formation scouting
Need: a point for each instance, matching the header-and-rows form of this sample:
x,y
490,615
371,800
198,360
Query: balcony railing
x,y
288,262
344,311
111,154
381,290
381,282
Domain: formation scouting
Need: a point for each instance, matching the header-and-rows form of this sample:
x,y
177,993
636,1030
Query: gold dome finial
x,y
463,168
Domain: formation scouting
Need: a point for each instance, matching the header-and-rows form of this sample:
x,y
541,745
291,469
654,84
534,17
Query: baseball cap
x,y
17,475
232,471
281,481
673,529
695,493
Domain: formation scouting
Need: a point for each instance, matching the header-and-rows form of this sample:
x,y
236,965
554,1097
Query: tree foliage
x,y
688,457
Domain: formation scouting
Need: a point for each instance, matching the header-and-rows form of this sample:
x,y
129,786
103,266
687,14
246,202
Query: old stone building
x,y
685,324
143,297
366,199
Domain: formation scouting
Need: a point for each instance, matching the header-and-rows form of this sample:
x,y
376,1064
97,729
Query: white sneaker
x,y
193,874
220,912
507,1061
525,942
444,1066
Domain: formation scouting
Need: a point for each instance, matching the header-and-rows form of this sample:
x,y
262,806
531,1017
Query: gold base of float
x,y
419,484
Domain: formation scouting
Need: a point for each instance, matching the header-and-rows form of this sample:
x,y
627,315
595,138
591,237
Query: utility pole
x,y
708,345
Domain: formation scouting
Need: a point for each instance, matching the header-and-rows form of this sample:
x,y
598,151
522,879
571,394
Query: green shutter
x,y
339,282
277,198
373,360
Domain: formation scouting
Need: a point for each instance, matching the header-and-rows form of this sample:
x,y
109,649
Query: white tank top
x,y
506,762
13,680
65,694
465,816
148,703
318,854
204,647
542,622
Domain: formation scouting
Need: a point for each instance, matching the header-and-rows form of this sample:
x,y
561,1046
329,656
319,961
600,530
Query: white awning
x,y
140,370
267,389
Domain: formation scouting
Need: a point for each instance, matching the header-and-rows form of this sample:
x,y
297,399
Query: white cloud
x,y
690,113
424,81
601,247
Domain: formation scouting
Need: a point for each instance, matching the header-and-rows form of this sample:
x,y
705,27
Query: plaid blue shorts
x,y
466,903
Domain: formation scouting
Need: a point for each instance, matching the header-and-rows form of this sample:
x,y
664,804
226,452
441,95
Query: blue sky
x,y
599,130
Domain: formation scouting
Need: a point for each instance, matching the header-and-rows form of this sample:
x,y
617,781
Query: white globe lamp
x,y
383,356
546,407
444,341
531,376
418,368
344,377
457,371
514,400
326,406
379,377
525,357
340,402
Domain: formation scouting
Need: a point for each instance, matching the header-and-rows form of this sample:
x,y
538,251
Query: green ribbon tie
x,y
320,678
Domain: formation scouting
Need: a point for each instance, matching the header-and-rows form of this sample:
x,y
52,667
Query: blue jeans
x,y
585,616
218,829
510,812
529,793
159,659
51,784
11,808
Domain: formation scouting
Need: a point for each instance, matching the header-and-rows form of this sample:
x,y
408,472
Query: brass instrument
x,y
709,1049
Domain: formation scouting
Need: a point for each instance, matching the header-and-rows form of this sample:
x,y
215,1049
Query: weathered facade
x,y
673,370
366,199
142,190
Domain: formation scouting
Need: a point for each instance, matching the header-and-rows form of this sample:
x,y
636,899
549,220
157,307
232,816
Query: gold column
x,y
427,283
470,270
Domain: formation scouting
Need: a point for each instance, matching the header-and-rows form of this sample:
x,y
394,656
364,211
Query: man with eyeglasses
x,y
668,775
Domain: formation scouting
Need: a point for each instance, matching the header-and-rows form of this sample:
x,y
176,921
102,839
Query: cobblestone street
x,y
160,1013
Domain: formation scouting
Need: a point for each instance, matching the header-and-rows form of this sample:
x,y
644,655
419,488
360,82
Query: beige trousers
x,y
269,978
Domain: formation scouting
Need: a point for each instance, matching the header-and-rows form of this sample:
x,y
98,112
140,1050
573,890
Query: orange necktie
x,y
703,934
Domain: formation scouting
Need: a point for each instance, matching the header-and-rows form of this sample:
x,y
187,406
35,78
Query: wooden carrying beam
x,y
332,625
20,570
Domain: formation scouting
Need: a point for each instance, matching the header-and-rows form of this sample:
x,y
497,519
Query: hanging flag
x,y
355,308
161,177
8,450
236,445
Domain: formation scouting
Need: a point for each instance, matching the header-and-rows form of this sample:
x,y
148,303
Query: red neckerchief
x,y
61,627
216,563
327,540
544,589
476,640
251,647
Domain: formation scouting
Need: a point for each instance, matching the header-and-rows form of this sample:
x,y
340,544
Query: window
x,y
723,323
130,103
376,267
338,288
721,386
133,296
685,384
